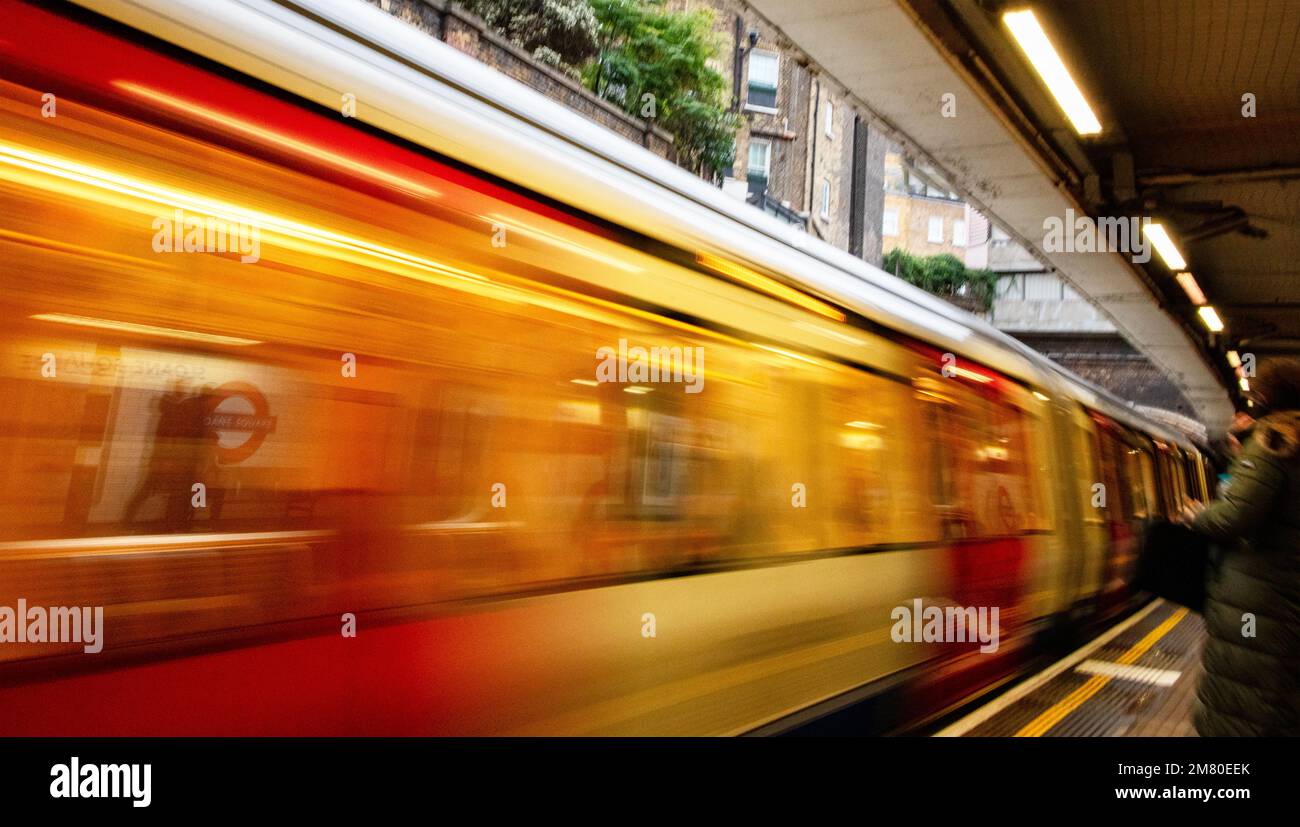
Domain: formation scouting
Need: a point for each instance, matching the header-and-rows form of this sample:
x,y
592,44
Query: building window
x,y
894,175
935,235
763,73
1043,287
959,233
830,120
759,166
890,227
826,198
1011,287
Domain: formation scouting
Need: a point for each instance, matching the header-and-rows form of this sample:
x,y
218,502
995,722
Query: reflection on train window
x,y
986,489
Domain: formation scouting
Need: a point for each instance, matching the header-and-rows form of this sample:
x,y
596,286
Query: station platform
x,y
1137,679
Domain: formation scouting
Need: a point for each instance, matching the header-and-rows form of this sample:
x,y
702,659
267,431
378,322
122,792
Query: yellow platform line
x,y
1053,715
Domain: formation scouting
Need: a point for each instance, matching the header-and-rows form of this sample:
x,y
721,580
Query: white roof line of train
x,y
428,92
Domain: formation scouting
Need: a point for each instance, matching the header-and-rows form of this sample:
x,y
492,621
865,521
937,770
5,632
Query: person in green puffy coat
x,y
1251,658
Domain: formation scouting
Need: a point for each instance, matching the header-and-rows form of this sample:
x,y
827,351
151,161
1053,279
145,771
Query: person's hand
x,y
1189,511
1240,422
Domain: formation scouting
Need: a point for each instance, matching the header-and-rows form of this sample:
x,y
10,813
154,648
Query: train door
x,y
985,496
1089,483
1121,480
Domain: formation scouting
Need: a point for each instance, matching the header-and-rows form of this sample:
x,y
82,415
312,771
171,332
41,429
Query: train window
x,y
874,474
1118,496
1089,469
1133,483
1196,476
1127,472
987,490
1148,477
1172,490
829,464
1180,473
1165,484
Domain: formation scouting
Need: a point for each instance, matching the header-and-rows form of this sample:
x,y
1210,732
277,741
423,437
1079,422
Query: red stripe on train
x,y
55,54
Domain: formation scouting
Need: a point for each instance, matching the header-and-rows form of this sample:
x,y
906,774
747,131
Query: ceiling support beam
x,y
1183,179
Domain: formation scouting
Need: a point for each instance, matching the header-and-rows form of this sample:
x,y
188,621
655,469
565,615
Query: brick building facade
x,y
807,154
921,214
804,153
448,22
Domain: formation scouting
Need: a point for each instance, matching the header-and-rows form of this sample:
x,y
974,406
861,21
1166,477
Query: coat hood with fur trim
x,y
1279,434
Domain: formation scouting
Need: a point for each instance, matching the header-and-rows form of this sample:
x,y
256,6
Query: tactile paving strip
x,y
1116,705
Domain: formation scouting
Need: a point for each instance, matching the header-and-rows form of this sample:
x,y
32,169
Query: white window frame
x,y
889,224
767,157
959,238
932,236
826,199
830,120
776,80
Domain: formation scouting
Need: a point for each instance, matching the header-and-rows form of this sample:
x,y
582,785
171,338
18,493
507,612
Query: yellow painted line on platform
x,y
1028,687
1053,716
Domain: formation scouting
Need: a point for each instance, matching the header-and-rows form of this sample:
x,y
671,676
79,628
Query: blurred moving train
x,y
395,412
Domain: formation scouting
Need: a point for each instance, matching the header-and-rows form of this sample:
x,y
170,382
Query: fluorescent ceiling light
x,y
1164,245
1191,288
1245,384
1234,358
1211,318
1042,54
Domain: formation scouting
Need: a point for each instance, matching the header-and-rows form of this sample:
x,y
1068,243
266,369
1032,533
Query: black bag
x,y
1172,563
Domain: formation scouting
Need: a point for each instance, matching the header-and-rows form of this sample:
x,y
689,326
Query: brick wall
x,y
831,158
1114,364
914,214
802,156
469,34
872,187
786,128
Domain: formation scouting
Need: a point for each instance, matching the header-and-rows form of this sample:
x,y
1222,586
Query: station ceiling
x,y
1177,79
1166,79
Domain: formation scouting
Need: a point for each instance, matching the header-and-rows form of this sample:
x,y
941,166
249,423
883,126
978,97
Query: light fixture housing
x,y
1042,55
1159,238
1193,290
1210,317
